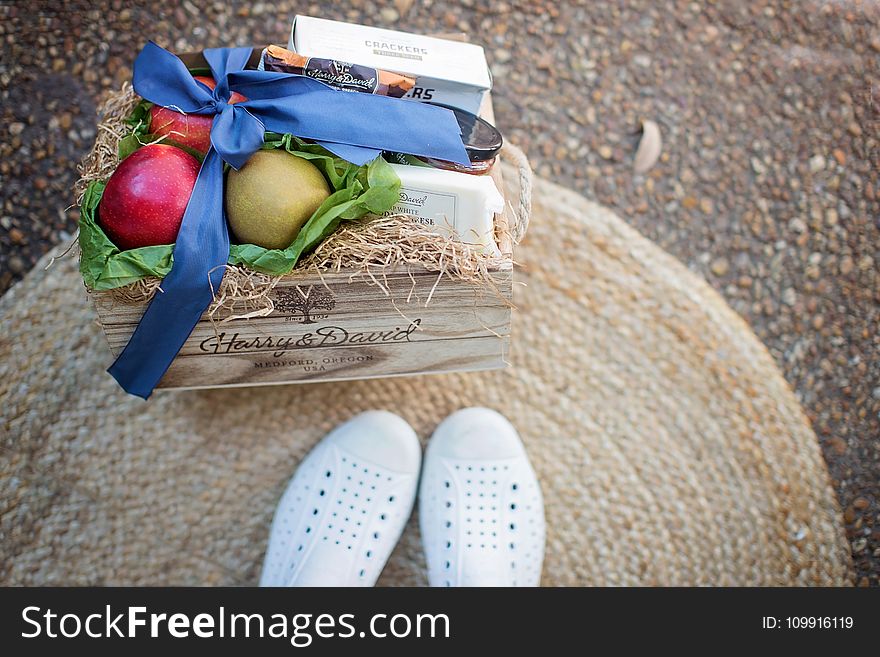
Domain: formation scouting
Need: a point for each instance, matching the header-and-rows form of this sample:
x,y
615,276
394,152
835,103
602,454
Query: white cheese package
x,y
449,72
451,201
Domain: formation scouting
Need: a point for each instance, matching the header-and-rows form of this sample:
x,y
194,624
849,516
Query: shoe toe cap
x,y
476,433
381,438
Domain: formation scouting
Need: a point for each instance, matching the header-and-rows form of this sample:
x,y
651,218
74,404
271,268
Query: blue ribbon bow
x,y
354,126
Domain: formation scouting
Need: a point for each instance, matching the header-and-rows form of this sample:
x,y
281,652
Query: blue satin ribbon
x,y
354,126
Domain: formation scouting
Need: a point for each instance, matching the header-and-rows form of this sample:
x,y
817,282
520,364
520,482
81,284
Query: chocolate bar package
x,y
342,75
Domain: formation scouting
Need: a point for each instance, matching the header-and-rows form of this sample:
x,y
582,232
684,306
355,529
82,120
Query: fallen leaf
x,y
649,148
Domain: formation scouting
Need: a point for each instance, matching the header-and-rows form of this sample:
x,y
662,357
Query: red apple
x,y
144,200
192,130
235,97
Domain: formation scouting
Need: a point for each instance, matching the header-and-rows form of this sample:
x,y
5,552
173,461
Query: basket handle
x,y
523,210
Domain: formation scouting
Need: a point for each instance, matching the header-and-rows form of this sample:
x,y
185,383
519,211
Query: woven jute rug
x,y
669,448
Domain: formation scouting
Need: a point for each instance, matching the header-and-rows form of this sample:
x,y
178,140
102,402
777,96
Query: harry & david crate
x,y
339,325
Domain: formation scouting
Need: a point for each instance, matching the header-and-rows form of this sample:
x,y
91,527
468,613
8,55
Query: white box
x,y
450,72
449,201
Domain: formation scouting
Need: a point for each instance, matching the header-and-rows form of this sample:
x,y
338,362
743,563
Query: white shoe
x,y
346,506
480,507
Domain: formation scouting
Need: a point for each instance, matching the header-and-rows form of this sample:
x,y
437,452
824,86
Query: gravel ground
x,y
767,185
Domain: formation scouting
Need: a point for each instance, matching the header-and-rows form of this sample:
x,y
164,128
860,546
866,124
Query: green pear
x,y
270,198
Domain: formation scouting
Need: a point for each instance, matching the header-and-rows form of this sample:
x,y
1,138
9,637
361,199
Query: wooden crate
x,y
336,327
341,326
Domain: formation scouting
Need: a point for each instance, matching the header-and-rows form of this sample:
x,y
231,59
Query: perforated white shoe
x,y
480,506
346,506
